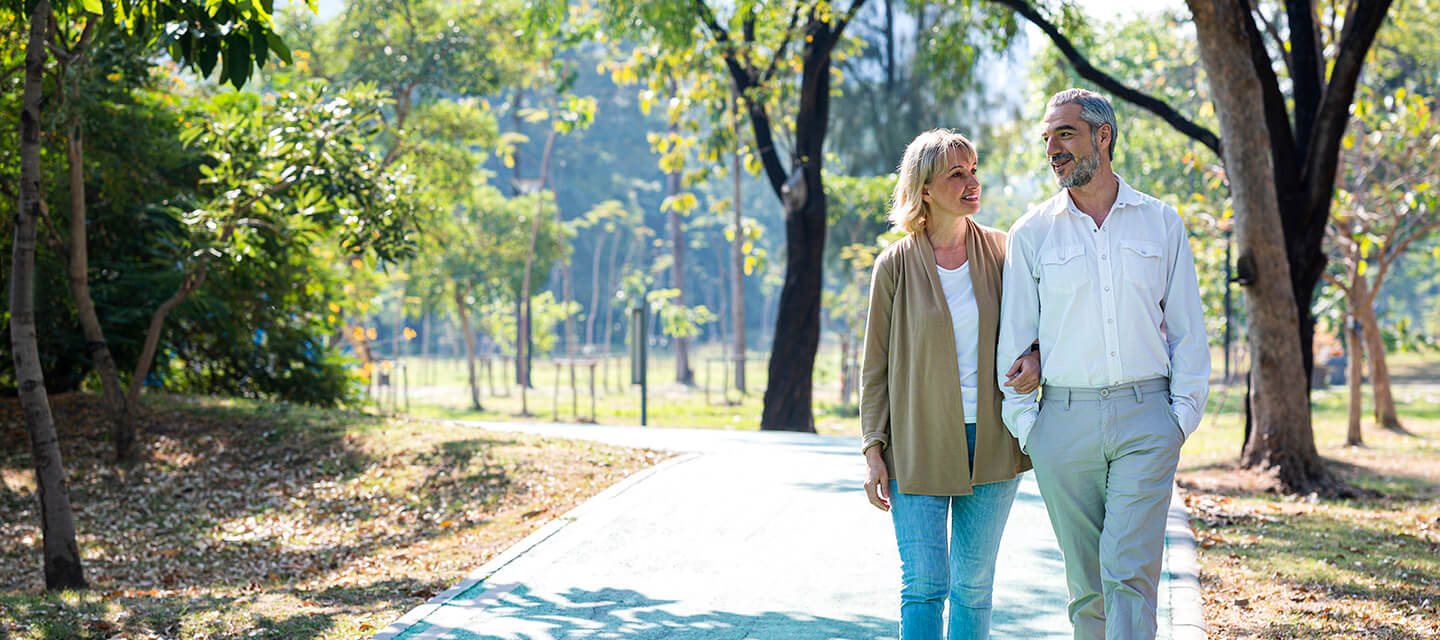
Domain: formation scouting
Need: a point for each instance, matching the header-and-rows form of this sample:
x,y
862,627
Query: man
x,y
1103,276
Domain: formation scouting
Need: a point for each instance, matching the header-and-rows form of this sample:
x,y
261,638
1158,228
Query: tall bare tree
x,y
63,569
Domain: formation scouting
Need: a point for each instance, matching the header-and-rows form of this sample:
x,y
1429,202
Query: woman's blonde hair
x,y
923,158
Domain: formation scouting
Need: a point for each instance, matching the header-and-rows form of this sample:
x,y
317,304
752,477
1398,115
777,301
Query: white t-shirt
x,y
965,320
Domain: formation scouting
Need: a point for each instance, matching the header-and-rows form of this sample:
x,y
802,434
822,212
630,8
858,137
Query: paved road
x,y
746,535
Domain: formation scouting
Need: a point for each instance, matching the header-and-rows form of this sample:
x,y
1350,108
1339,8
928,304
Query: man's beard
x,y
1082,173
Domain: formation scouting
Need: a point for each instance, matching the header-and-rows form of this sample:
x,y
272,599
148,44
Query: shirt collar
x,y
1125,196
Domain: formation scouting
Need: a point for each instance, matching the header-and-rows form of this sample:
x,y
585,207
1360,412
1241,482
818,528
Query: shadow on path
x,y
517,614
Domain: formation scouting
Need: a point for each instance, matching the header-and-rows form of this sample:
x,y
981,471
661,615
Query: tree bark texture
x,y
1281,441
62,566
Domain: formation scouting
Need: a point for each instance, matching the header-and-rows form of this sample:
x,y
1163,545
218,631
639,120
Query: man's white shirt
x,y
1110,304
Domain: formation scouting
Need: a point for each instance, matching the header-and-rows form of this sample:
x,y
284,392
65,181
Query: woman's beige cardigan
x,y
910,381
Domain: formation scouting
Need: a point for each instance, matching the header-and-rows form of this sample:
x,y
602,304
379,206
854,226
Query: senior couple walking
x,y
1075,345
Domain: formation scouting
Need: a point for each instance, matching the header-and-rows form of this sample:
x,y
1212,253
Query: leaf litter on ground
x,y
252,519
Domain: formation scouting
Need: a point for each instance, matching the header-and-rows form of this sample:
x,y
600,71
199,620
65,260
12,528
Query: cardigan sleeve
x,y
875,363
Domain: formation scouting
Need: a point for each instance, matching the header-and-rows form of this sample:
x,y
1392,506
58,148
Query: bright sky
x,y
1096,8
1111,8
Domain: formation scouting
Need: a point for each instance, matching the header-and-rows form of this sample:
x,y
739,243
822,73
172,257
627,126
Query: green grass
x,y
439,389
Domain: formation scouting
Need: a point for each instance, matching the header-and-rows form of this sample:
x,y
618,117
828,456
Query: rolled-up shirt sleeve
x,y
1185,336
875,362
1019,328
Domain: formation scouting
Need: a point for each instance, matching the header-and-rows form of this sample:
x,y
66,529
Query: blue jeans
x,y
965,567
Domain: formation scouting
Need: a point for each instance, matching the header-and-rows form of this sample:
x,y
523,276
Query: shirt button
x,y
1103,256
1111,321
1112,353
1107,288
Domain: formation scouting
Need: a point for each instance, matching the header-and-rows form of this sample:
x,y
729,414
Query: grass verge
x,y
1277,567
247,519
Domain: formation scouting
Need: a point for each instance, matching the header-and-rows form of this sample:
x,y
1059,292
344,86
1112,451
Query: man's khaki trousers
x,y
1105,462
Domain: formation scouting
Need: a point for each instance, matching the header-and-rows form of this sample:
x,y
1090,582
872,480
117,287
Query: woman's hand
x,y
1024,375
877,479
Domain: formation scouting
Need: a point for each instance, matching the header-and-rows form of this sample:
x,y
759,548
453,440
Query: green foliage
x,y
914,66
848,301
856,208
134,165
548,314
297,164
420,51
678,320
1387,203
258,330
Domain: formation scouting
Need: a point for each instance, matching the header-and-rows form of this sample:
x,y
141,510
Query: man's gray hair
x,y
1095,110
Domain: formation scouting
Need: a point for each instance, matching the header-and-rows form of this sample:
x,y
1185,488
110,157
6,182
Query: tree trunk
x,y
594,308
567,293
397,340
425,350
1354,353
1385,414
122,419
463,309
607,317
683,374
737,264
523,343
789,391
63,568
1281,442
519,349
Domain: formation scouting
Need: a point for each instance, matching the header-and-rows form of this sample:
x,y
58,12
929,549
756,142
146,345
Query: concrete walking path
x,y
745,535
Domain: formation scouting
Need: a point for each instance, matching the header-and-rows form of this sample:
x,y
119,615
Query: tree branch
x,y
1336,281
1277,117
1399,248
1307,72
849,15
744,79
722,37
1105,81
1274,33
1320,163
785,44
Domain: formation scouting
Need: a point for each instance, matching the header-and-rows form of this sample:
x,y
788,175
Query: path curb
x,y
1182,570
520,548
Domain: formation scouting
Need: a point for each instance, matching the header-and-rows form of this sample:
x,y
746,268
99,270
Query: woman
x,y
933,453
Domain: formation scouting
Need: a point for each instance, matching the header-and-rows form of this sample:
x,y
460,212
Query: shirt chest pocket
x,y
1144,264
1062,268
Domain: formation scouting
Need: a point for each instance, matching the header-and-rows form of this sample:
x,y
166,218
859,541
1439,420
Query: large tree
x,y
757,45
1280,165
